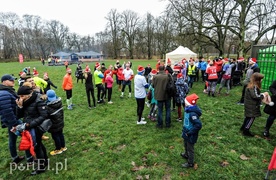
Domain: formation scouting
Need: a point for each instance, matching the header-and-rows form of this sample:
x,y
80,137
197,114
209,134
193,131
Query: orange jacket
x,y
67,83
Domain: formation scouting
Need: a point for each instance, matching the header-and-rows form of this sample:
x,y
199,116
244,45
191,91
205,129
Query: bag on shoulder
x,y
170,88
45,125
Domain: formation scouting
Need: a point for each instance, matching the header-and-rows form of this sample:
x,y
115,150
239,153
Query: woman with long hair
x,y
252,102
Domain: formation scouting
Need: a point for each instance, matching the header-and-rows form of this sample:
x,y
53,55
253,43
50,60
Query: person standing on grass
x,y
191,128
140,85
89,87
41,83
153,102
49,82
128,76
191,73
212,78
182,89
226,76
8,115
32,109
252,68
120,76
159,83
109,83
56,114
270,109
98,76
252,101
67,86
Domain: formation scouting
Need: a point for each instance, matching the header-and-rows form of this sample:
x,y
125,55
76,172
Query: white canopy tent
x,y
179,53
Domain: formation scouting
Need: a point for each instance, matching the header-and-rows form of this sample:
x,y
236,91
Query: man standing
x,y
67,85
128,76
8,113
147,71
159,83
98,77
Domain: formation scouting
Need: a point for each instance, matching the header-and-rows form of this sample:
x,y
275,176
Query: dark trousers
x,y
243,93
109,94
58,138
68,94
247,123
189,151
269,122
203,75
126,83
105,87
40,150
160,105
90,90
101,91
140,107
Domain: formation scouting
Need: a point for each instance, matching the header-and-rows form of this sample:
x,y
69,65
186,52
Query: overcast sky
x,y
84,17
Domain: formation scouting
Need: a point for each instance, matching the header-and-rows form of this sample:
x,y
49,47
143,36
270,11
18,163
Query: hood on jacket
x,y
194,109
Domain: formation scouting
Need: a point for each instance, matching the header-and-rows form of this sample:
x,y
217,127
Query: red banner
x,y
21,58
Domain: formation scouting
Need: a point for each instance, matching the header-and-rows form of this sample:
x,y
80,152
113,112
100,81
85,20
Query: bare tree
x,y
130,23
113,26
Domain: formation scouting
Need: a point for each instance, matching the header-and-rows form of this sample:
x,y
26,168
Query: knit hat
x,y
140,69
24,90
240,58
253,60
179,75
176,68
191,99
87,69
226,59
35,73
153,72
51,95
7,77
68,70
97,65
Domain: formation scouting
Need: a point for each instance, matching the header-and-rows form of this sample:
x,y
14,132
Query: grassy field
x,y
106,143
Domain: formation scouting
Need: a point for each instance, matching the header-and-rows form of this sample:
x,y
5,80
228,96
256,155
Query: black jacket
x,y
34,111
56,114
271,110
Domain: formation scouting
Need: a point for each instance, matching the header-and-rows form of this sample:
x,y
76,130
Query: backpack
x,y
170,87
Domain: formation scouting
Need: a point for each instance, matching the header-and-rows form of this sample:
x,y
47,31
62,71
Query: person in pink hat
x,y
191,128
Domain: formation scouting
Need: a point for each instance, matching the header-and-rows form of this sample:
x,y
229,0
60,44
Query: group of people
x,y
24,113
29,107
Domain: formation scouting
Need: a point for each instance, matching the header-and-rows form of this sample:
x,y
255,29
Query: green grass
x,y
106,143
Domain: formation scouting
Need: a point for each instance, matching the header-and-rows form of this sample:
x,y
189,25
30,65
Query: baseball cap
x,y
7,77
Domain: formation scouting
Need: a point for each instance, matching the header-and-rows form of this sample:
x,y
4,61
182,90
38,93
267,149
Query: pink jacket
x,y
109,81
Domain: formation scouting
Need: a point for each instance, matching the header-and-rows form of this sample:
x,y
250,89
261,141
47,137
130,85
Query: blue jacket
x,y
8,106
191,124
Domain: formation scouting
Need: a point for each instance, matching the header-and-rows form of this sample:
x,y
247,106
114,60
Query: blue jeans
x,y
160,112
58,138
13,147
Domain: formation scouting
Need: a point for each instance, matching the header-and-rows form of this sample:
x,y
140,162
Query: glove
x,y
21,127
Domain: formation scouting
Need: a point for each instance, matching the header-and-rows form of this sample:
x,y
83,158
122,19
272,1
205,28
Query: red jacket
x,y
212,73
26,143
